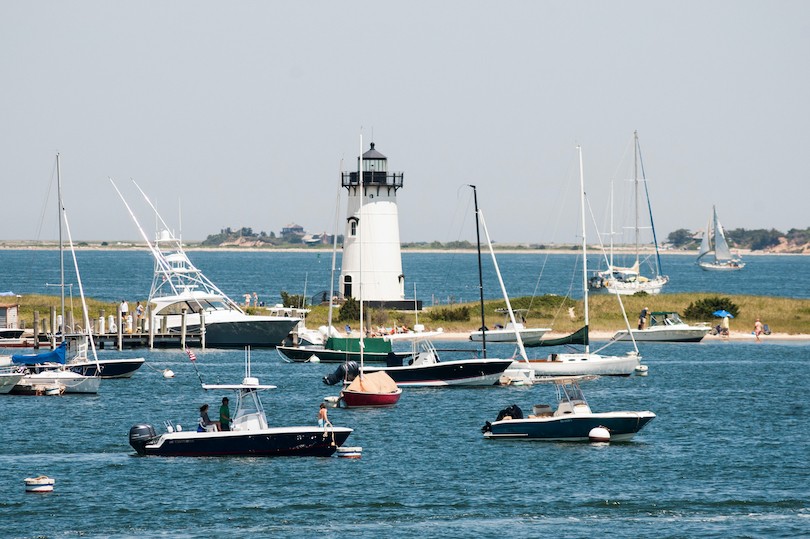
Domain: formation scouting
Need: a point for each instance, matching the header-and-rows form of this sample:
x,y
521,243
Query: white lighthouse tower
x,y
372,219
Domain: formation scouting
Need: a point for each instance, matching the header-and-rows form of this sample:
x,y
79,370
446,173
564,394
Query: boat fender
x,y
599,434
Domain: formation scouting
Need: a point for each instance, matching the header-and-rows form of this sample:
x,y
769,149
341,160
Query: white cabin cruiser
x,y
666,326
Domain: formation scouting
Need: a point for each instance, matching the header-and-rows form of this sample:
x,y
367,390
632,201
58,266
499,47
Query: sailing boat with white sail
x,y
627,281
583,363
714,243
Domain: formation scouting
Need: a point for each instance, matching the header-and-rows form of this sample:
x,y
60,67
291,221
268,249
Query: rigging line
x,y
556,225
454,252
39,228
649,207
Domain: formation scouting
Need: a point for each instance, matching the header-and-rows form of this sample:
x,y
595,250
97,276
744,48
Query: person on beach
x,y
758,329
322,419
247,300
255,300
225,414
642,318
203,420
724,326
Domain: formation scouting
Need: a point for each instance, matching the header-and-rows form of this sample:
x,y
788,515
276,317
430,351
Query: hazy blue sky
x,y
242,111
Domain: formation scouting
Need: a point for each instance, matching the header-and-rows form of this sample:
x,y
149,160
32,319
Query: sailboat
x,y
714,243
584,363
628,280
367,389
51,372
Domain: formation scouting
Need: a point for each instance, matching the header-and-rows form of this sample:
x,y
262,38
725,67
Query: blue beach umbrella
x,y
723,314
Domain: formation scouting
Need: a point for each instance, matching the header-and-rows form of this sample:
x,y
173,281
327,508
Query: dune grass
x,y
783,315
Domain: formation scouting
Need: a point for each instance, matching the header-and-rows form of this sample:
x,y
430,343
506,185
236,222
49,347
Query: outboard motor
x,y
513,411
140,435
346,371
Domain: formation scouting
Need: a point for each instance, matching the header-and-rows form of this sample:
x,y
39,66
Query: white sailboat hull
x,y
73,382
530,336
652,287
707,266
581,364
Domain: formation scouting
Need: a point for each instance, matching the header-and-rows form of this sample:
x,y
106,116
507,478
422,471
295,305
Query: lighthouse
x,y
372,219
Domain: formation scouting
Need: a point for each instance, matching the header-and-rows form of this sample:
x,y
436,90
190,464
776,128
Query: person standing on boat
x,y
758,329
322,419
225,415
642,318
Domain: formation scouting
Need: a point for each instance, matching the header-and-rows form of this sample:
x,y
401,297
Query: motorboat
x,y
10,377
714,254
426,369
582,362
342,349
250,435
180,293
666,326
506,331
628,280
572,421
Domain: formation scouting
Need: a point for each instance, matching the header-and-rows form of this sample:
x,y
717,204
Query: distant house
x,y
292,228
9,315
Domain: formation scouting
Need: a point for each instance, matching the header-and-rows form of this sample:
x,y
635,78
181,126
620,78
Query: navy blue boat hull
x,y
569,428
112,368
314,443
255,333
444,373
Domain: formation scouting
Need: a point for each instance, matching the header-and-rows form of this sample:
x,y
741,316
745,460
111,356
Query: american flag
x,y
191,355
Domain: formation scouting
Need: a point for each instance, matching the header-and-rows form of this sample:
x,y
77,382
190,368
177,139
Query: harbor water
x,y
726,455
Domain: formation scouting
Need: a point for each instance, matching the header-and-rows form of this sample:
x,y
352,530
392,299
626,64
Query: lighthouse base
x,y
399,305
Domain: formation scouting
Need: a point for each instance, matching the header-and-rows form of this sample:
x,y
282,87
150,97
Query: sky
x,y
242,114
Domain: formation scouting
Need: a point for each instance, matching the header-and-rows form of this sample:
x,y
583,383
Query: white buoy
x,y
349,452
641,370
599,434
43,483
168,373
314,359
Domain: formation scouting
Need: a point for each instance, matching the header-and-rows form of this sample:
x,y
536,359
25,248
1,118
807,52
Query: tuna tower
x,y
372,219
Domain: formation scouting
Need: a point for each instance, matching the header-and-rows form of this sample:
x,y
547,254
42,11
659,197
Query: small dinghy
x,y
43,483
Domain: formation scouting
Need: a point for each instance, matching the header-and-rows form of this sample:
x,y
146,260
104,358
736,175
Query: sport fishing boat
x,y
666,326
178,286
714,243
250,434
572,421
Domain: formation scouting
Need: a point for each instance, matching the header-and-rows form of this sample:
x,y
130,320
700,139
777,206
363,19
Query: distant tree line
x,y
229,235
756,240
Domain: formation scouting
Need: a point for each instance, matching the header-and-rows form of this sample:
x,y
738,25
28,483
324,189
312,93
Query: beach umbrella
x,y
723,314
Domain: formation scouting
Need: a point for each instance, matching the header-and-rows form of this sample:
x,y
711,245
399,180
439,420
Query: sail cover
x,y
373,382
578,337
54,356
721,250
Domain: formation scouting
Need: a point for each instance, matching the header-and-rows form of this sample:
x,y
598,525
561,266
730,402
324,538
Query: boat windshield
x,y
194,307
569,392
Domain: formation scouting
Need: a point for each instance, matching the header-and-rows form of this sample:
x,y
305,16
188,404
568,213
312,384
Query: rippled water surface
x,y
727,456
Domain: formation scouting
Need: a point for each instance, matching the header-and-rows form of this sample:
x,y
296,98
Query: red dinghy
x,y
372,389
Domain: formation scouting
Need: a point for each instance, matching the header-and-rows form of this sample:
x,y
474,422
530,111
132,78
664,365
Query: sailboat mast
x,y
480,275
584,249
360,241
61,247
635,181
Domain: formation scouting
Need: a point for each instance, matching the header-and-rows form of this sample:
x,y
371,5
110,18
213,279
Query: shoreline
x,y
506,250
606,336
